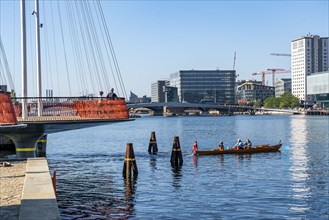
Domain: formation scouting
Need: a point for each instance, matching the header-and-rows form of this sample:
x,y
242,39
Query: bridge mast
x,y
38,54
23,57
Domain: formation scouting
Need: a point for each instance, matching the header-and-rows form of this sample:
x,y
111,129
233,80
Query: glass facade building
x,y
318,87
205,86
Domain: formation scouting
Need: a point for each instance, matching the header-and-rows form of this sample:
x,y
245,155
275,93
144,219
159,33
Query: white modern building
x,y
309,54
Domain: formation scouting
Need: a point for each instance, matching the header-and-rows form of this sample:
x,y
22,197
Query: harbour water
x,y
291,184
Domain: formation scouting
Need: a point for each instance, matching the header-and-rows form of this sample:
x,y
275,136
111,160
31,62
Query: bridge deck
x,y
65,119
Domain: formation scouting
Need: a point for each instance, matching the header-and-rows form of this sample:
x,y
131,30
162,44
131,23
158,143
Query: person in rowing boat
x,y
195,148
247,144
238,145
221,146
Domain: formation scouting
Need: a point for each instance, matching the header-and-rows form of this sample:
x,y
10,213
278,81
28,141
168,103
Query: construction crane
x,y
270,71
263,75
281,54
274,71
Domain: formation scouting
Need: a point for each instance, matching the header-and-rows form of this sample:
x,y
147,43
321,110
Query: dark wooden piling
x,y
176,153
54,181
41,146
153,146
129,165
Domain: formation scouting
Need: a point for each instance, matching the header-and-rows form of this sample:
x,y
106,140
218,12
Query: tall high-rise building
x,y
309,54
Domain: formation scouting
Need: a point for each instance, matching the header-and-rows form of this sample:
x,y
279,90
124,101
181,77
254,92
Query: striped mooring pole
x,y
41,148
176,153
153,146
129,165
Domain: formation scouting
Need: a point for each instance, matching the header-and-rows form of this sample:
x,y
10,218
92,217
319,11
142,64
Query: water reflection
x,y
299,165
221,160
195,161
177,176
240,157
153,162
130,186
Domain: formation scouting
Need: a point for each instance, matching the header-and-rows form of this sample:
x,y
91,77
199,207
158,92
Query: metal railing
x,y
51,106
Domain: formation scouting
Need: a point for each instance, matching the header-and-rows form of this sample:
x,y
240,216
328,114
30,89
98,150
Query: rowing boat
x,y
263,148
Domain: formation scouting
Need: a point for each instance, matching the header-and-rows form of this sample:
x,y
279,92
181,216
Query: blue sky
x,y
153,39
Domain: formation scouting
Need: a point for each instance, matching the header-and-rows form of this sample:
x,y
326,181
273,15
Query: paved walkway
x,y
11,187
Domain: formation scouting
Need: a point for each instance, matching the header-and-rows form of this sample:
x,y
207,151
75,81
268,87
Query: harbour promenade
x,y
12,181
27,190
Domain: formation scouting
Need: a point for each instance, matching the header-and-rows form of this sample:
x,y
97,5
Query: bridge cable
x,y
63,41
91,46
106,75
47,50
54,39
4,58
107,51
85,48
74,41
97,48
81,66
112,50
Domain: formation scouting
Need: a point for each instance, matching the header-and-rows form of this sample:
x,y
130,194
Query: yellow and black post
x,y
40,150
176,154
153,146
129,165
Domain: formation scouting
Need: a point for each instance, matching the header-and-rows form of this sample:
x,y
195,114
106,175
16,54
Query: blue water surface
x,y
291,184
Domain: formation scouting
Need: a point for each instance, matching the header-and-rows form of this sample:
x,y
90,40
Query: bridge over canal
x,y
181,108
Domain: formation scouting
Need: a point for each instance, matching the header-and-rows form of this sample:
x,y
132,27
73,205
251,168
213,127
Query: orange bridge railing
x,y
7,113
82,107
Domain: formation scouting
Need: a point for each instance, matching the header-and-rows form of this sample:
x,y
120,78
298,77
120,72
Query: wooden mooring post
x,y
54,180
129,165
153,146
176,153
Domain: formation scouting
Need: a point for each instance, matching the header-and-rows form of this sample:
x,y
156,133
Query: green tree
x,y
294,102
258,103
272,102
288,100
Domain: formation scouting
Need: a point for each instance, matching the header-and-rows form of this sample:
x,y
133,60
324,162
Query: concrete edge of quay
x,y
38,199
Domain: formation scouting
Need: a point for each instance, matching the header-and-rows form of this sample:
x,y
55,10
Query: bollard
x,y
153,146
129,165
40,150
176,154
54,181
